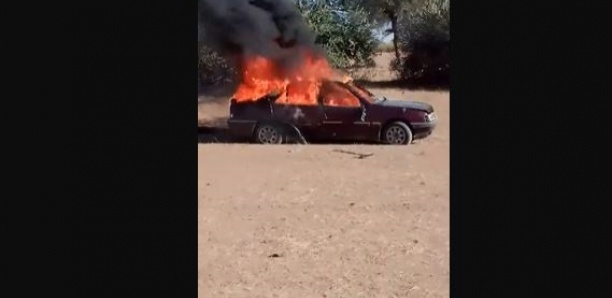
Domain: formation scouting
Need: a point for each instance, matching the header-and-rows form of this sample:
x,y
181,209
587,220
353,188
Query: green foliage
x,y
425,43
381,10
389,11
212,67
345,33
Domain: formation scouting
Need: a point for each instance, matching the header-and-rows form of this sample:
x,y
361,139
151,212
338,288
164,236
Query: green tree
x,y
388,11
425,43
344,32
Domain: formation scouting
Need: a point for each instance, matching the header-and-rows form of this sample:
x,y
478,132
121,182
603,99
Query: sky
x,y
379,34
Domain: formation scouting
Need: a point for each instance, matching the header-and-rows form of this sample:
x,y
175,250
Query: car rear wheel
x,y
269,134
397,133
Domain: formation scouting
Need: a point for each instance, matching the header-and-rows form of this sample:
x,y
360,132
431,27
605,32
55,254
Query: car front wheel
x,y
397,133
268,134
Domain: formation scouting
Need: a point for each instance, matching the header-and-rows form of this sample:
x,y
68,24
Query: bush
x,y
213,68
425,43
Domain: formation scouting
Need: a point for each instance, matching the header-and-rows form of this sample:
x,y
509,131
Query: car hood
x,y
405,104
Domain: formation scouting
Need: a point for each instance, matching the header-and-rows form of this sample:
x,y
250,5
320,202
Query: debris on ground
x,y
356,154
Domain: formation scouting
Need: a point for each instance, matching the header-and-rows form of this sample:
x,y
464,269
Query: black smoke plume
x,y
273,29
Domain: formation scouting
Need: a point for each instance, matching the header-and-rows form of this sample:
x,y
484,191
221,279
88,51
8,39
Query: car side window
x,y
336,96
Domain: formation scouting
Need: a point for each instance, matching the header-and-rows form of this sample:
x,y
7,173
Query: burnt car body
x,y
371,120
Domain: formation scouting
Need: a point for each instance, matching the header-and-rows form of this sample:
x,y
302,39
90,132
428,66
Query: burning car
x,y
344,111
316,102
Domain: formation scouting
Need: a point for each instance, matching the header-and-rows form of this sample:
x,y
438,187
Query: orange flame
x,y
261,77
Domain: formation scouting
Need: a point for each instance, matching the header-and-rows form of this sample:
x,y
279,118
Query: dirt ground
x,y
308,221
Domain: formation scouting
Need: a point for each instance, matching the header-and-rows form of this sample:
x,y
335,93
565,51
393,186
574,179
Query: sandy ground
x,y
307,221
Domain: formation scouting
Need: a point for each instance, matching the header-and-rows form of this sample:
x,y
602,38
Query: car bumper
x,y
423,129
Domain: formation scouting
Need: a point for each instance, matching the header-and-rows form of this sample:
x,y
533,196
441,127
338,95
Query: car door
x,y
347,122
341,110
343,123
307,118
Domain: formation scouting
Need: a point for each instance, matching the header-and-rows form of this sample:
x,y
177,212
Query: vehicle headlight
x,y
431,117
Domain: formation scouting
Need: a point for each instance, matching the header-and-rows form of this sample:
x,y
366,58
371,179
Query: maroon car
x,y
368,119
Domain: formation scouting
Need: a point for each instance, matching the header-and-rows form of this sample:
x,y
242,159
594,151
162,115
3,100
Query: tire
x,y
269,134
397,133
